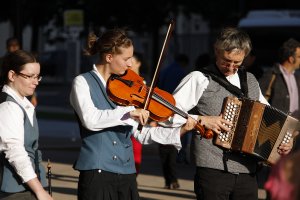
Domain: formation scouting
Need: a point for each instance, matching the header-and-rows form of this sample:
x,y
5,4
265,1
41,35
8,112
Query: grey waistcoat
x,y
11,182
204,152
109,149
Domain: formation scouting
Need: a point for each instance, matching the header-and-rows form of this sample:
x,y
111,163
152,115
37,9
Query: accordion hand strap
x,y
217,76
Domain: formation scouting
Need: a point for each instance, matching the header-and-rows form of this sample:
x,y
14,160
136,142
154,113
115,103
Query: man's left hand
x,y
285,148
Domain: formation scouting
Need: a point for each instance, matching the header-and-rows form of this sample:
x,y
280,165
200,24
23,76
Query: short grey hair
x,y
232,39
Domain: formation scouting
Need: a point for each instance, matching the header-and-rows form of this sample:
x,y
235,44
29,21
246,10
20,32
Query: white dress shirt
x,y
96,119
191,88
12,133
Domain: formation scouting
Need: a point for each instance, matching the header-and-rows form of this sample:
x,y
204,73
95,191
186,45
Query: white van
x,y
268,29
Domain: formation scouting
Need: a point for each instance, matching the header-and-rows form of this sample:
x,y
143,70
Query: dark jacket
x,y
279,98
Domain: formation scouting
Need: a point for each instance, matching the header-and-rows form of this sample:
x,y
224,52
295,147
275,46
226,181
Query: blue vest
x,y
109,149
11,182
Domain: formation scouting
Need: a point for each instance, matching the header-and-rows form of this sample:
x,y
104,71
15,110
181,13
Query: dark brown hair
x,y
288,49
109,42
12,40
15,61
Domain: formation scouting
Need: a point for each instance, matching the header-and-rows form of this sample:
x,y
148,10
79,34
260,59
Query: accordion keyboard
x,y
287,137
230,111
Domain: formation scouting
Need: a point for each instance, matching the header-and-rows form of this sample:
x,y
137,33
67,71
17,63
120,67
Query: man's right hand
x,y
188,126
216,123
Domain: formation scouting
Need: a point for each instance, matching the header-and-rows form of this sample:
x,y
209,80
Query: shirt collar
x,y
99,75
24,102
284,71
232,76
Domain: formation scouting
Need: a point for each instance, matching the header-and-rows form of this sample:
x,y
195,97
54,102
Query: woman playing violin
x,y
105,162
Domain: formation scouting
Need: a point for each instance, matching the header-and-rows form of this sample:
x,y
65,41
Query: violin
x,y
129,90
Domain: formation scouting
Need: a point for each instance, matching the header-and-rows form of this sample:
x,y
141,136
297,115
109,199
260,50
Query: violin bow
x,y
162,53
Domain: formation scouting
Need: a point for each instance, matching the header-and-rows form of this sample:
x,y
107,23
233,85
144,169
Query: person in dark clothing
x,y
12,44
168,80
171,75
137,66
280,84
251,65
202,60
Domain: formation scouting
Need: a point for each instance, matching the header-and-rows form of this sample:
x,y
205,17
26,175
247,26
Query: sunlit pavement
x,y
59,141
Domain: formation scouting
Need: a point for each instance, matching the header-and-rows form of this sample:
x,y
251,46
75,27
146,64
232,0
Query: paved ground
x,y
62,152
59,141
150,180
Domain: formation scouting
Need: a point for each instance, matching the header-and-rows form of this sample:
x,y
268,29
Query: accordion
x,y
258,129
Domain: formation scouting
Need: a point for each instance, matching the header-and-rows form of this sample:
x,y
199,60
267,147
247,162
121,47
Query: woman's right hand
x,y
43,195
140,115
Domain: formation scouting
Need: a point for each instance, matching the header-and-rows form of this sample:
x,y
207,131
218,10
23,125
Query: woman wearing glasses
x,y
21,174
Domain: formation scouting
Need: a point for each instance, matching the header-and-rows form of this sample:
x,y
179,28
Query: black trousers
x,y
168,155
99,184
212,184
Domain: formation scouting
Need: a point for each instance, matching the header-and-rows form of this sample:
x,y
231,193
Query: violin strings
x,y
163,101
170,106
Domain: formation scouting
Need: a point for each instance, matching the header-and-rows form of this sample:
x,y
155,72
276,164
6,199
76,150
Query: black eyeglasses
x,y
31,77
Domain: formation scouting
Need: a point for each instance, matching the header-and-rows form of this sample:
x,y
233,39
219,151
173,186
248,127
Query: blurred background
x,y
56,30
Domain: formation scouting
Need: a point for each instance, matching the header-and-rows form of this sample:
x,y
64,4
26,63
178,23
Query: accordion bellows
x,y
258,129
